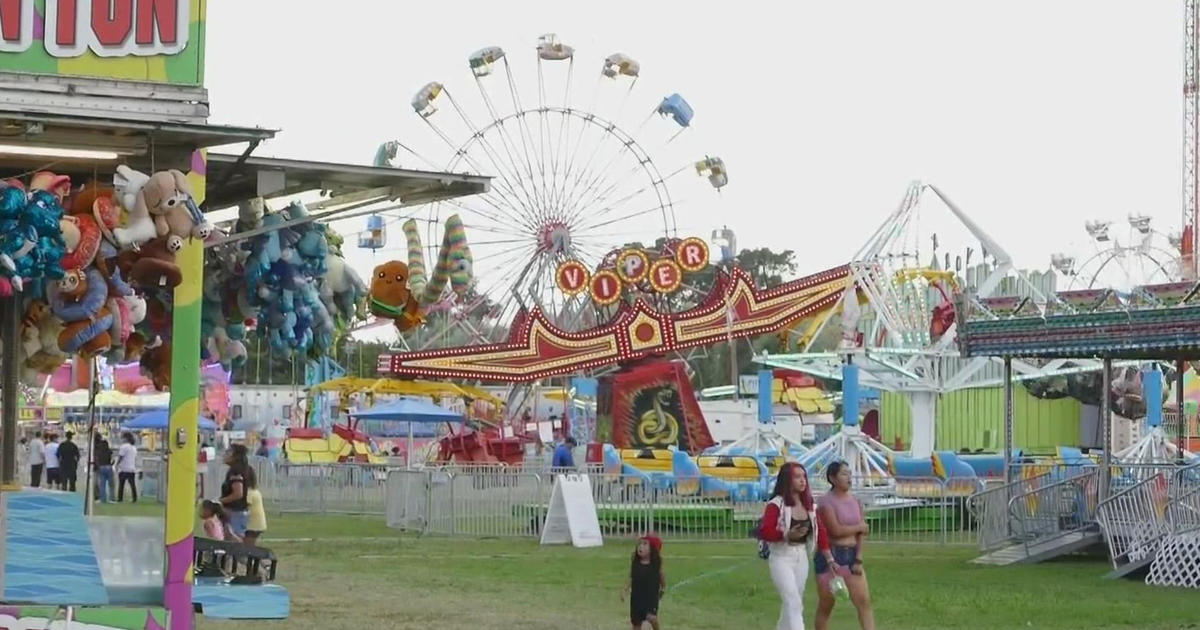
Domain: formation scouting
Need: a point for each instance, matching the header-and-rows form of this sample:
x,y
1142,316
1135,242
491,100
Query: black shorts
x,y
844,556
640,611
252,532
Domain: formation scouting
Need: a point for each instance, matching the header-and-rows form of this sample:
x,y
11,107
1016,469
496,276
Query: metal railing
x,y
989,508
1184,510
1055,510
512,504
1135,520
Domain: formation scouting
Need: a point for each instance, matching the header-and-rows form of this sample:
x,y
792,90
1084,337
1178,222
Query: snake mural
x,y
653,406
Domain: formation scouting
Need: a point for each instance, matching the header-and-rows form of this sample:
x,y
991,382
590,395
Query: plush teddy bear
x,y
154,266
167,197
155,364
31,336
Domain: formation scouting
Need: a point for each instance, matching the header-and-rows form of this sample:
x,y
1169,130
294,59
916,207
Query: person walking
x,y
789,526
68,463
564,457
102,460
52,465
126,467
841,515
37,459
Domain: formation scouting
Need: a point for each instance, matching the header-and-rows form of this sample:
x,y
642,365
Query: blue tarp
x,y
158,419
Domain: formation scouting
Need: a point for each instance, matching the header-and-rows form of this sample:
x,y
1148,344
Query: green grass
x,y
356,573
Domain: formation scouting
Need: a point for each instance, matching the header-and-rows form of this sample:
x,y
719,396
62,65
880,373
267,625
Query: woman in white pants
x,y
789,526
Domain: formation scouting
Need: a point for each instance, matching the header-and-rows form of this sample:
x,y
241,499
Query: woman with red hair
x,y
789,525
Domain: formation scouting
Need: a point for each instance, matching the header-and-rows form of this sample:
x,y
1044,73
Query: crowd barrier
x,y
500,503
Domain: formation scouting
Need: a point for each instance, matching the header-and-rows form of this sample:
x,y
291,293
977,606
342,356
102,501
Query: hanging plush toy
x,y
31,244
79,301
390,298
139,228
167,197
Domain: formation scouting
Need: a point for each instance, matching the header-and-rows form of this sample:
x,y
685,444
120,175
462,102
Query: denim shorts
x,y
844,556
237,522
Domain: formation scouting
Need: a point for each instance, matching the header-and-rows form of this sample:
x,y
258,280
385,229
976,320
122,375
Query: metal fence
x,y
513,504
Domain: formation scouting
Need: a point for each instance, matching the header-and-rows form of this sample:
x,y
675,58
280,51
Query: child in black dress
x,y
646,582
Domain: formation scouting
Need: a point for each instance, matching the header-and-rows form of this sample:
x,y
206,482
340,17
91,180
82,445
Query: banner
x,y
654,406
160,41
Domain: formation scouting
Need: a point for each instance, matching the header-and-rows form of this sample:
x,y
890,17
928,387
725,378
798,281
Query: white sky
x,y
1033,116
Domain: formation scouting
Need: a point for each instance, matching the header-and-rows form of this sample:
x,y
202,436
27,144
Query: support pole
x,y
181,442
1106,426
850,395
10,334
1181,419
766,396
1008,420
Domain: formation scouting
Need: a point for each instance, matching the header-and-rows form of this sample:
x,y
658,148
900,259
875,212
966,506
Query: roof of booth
x,y
237,178
1150,322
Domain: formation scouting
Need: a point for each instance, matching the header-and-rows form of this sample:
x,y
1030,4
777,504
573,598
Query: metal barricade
x,y
507,502
1135,520
989,509
1184,513
1056,509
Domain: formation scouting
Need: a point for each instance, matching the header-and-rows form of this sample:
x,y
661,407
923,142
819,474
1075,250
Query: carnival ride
x,y
1143,256
571,185
478,440
898,329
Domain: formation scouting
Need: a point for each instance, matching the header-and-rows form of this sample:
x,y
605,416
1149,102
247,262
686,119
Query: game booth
x,y
107,251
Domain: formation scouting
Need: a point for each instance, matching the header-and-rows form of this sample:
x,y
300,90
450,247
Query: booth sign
x,y
160,41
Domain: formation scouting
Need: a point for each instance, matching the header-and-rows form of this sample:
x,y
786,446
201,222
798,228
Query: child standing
x,y
256,519
646,584
215,519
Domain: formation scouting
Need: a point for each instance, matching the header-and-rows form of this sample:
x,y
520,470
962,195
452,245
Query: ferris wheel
x,y
1142,256
576,176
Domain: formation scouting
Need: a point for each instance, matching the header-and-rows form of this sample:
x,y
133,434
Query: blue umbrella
x,y
157,419
410,410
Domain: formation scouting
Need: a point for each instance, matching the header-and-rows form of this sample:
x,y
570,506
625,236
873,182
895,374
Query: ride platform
x,y
1020,553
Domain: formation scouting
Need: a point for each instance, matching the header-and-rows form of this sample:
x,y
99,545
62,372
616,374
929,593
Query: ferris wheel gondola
x,y
569,183
1142,256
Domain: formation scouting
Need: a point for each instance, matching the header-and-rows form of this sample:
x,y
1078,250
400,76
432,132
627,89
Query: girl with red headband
x,y
646,582
789,526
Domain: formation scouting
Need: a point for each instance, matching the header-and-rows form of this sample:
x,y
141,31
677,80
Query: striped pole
x,y
184,409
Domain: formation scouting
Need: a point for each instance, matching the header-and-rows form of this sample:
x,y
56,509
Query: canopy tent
x,y
412,411
158,419
408,410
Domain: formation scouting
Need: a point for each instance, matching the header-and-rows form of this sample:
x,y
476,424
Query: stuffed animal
x,y
82,237
134,346
57,185
342,291
100,202
48,356
31,244
167,197
79,301
139,227
31,340
155,364
154,265
390,298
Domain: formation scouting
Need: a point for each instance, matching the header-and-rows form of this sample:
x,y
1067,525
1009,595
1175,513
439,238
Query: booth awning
x,y
237,178
143,145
